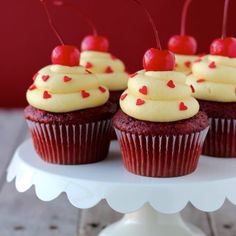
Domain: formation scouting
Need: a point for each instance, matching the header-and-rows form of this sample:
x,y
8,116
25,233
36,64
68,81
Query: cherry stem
x,y
225,17
51,22
156,34
73,6
184,17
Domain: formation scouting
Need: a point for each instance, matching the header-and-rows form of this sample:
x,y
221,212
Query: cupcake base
x,y
157,149
115,98
221,139
71,138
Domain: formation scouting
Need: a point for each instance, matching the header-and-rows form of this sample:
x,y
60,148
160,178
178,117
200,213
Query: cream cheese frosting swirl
x,y
159,96
60,88
214,79
109,70
184,63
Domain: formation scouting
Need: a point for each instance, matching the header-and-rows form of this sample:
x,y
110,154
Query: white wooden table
x,y
22,214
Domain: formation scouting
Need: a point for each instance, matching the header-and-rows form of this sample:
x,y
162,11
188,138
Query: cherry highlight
x,y
151,22
225,17
51,22
184,17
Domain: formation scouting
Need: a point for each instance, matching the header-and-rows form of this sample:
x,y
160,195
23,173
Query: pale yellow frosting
x,y
60,88
109,70
214,79
160,96
184,63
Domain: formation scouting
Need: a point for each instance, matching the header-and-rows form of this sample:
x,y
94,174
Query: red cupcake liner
x,y
71,144
161,156
221,139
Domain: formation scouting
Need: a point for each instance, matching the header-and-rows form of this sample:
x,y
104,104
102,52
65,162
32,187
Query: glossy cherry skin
x,y
183,44
224,47
158,60
95,43
66,55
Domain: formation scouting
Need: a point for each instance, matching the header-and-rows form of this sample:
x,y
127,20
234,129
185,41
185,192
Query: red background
x,y
27,41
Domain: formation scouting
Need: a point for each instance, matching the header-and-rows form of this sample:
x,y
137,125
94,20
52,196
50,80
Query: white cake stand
x,y
151,205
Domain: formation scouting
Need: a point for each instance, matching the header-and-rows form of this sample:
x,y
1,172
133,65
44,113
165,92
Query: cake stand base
x,y
148,222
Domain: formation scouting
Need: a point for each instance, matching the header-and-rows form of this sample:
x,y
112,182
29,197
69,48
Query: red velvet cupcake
x,y
69,114
160,129
214,83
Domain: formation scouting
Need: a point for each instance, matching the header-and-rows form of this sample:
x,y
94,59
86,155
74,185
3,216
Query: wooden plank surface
x,y
12,128
224,220
22,214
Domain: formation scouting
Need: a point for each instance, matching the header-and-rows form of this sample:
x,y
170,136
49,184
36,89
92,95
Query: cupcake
x,y
110,70
159,126
214,84
69,115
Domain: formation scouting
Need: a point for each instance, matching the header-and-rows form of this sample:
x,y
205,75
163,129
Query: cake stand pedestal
x,y
150,205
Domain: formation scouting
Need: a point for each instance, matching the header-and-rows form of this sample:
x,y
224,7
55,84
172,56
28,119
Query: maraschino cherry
x,y
66,55
224,46
92,42
95,43
156,59
183,44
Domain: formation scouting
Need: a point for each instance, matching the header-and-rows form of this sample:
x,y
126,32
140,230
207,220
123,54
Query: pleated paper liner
x,y
71,144
161,156
221,139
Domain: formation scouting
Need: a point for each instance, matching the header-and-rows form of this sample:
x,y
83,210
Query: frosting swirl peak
x,y
60,88
160,96
214,79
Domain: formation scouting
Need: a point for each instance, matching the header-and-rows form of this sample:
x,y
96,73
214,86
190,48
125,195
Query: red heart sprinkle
x,y
201,80
198,60
171,84
113,57
109,70
35,76
140,102
67,79
182,107
32,87
143,90
45,77
133,75
192,88
103,90
123,96
84,94
212,65
176,65
188,64
88,65
46,95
